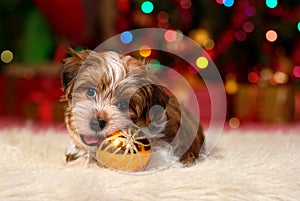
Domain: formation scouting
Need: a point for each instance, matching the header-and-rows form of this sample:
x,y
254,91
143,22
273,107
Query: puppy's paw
x,y
85,160
78,157
188,159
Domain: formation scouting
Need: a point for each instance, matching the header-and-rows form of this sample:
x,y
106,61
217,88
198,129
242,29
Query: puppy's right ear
x,y
70,68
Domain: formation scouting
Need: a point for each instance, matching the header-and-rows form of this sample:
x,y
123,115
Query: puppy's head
x,y
107,92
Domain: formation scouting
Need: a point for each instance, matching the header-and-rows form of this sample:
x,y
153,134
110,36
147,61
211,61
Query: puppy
x,y
107,92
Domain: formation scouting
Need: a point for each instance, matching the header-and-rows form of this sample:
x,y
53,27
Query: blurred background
x,y
255,45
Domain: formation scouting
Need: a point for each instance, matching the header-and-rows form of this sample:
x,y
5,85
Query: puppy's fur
x,y
97,88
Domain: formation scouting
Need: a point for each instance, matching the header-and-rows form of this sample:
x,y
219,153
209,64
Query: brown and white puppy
x,y
107,92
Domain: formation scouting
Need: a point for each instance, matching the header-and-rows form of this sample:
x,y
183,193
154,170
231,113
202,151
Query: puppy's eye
x,y
91,92
123,105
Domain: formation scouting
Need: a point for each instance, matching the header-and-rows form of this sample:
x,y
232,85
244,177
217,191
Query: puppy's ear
x,y
130,63
70,68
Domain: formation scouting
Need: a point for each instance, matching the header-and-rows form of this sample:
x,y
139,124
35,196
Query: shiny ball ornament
x,y
127,150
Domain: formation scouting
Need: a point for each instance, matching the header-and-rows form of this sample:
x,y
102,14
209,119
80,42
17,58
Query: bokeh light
x,y
170,36
240,35
253,77
296,71
271,3
231,86
199,36
186,4
179,35
228,3
298,26
126,37
248,26
145,51
234,122
249,11
147,7
163,16
172,74
7,56
219,1
265,74
209,44
155,65
271,35
280,77
163,20
123,5
202,62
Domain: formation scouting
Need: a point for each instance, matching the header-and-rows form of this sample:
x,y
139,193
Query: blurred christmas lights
x,y
234,122
228,3
186,4
271,35
170,36
219,1
296,71
231,85
249,11
271,3
280,77
126,37
199,36
145,51
209,44
248,26
172,74
163,16
147,7
265,74
298,26
253,77
240,35
123,5
7,56
202,62
155,65
163,20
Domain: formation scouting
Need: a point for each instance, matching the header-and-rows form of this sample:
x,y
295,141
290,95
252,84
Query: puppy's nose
x,y
97,124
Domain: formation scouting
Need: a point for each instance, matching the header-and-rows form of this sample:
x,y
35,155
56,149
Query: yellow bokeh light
x,y
202,62
231,86
145,51
7,56
199,35
209,44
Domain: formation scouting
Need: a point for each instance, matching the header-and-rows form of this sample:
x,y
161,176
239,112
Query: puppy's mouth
x,y
92,140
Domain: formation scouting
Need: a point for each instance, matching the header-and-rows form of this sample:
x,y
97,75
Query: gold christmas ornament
x,y
126,150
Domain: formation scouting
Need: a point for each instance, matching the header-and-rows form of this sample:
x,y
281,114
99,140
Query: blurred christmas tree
x,y
25,36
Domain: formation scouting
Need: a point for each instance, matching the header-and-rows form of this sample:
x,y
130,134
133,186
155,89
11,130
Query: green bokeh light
x,y
271,3
147,7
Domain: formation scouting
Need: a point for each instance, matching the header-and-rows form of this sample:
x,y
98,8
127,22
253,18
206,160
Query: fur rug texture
x,y
246,165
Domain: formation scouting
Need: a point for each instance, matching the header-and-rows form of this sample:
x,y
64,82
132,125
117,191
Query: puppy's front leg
x,y
76,156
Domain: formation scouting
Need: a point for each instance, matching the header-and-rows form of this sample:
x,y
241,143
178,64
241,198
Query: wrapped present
x,y
32,92
270,104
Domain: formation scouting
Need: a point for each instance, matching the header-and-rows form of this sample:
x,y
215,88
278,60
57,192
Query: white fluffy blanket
x,y
247,165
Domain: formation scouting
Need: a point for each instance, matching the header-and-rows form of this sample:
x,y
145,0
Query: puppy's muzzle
x,y
97,124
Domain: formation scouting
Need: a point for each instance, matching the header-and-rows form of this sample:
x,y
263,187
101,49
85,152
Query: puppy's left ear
x,y
70,68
